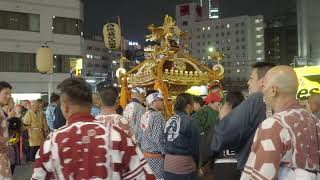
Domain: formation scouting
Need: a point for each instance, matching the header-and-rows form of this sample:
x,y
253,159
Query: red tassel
x,y
20,149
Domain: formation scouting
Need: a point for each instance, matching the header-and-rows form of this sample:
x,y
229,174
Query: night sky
x,y
137,14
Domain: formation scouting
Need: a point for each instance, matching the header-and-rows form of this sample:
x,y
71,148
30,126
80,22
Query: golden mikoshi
x,y
169,68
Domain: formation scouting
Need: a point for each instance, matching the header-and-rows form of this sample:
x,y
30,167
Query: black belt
x,y
312,171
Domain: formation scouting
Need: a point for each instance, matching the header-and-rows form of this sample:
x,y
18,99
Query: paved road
x,y
22,172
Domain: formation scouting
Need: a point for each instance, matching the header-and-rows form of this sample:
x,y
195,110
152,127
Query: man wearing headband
x,y
135,109
151,133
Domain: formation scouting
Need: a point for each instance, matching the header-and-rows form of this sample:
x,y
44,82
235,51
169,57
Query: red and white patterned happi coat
x,y
5,171
116,120
86,149
287,140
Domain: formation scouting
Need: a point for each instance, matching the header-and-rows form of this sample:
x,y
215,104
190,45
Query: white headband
x,y
152,97
138,90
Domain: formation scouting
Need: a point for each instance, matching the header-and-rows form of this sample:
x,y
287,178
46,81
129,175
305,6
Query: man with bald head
x,y
36,126
285,145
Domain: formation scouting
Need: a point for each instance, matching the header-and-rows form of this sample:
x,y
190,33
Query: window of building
x,y
203,43
105,66
203,50
237,31
19,21
237,24
217,34
243,47
62,63
242,24
203,36
229,64
203,28
237,40
199,51
89,48
198,36
209,28
89,56
209,42
185,23
228,41
209,35
198,29
97,49
242,31
243,54
217,42
222,49
68,26
260,44
222,41
228,71
97,65
97,57
228,33
198,43
222,26
105,57
243,39
222,34
228,25
217,27
228,48
237,47
17,62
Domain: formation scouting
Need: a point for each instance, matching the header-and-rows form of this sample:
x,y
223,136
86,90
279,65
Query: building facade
x,y
211,8
281,39
309,30
241,39
97,58
27,25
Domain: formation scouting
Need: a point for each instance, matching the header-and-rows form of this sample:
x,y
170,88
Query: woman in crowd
x,y
197,103
14,125
225,164
182,141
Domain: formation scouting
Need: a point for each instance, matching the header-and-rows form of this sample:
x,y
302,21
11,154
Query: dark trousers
x,y
172,176
12,167
227,171
27,154
33,152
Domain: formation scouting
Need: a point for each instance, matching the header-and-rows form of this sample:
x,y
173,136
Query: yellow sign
x,y
309,81
76,66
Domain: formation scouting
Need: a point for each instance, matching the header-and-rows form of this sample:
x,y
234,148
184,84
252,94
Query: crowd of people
x,y
83,135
